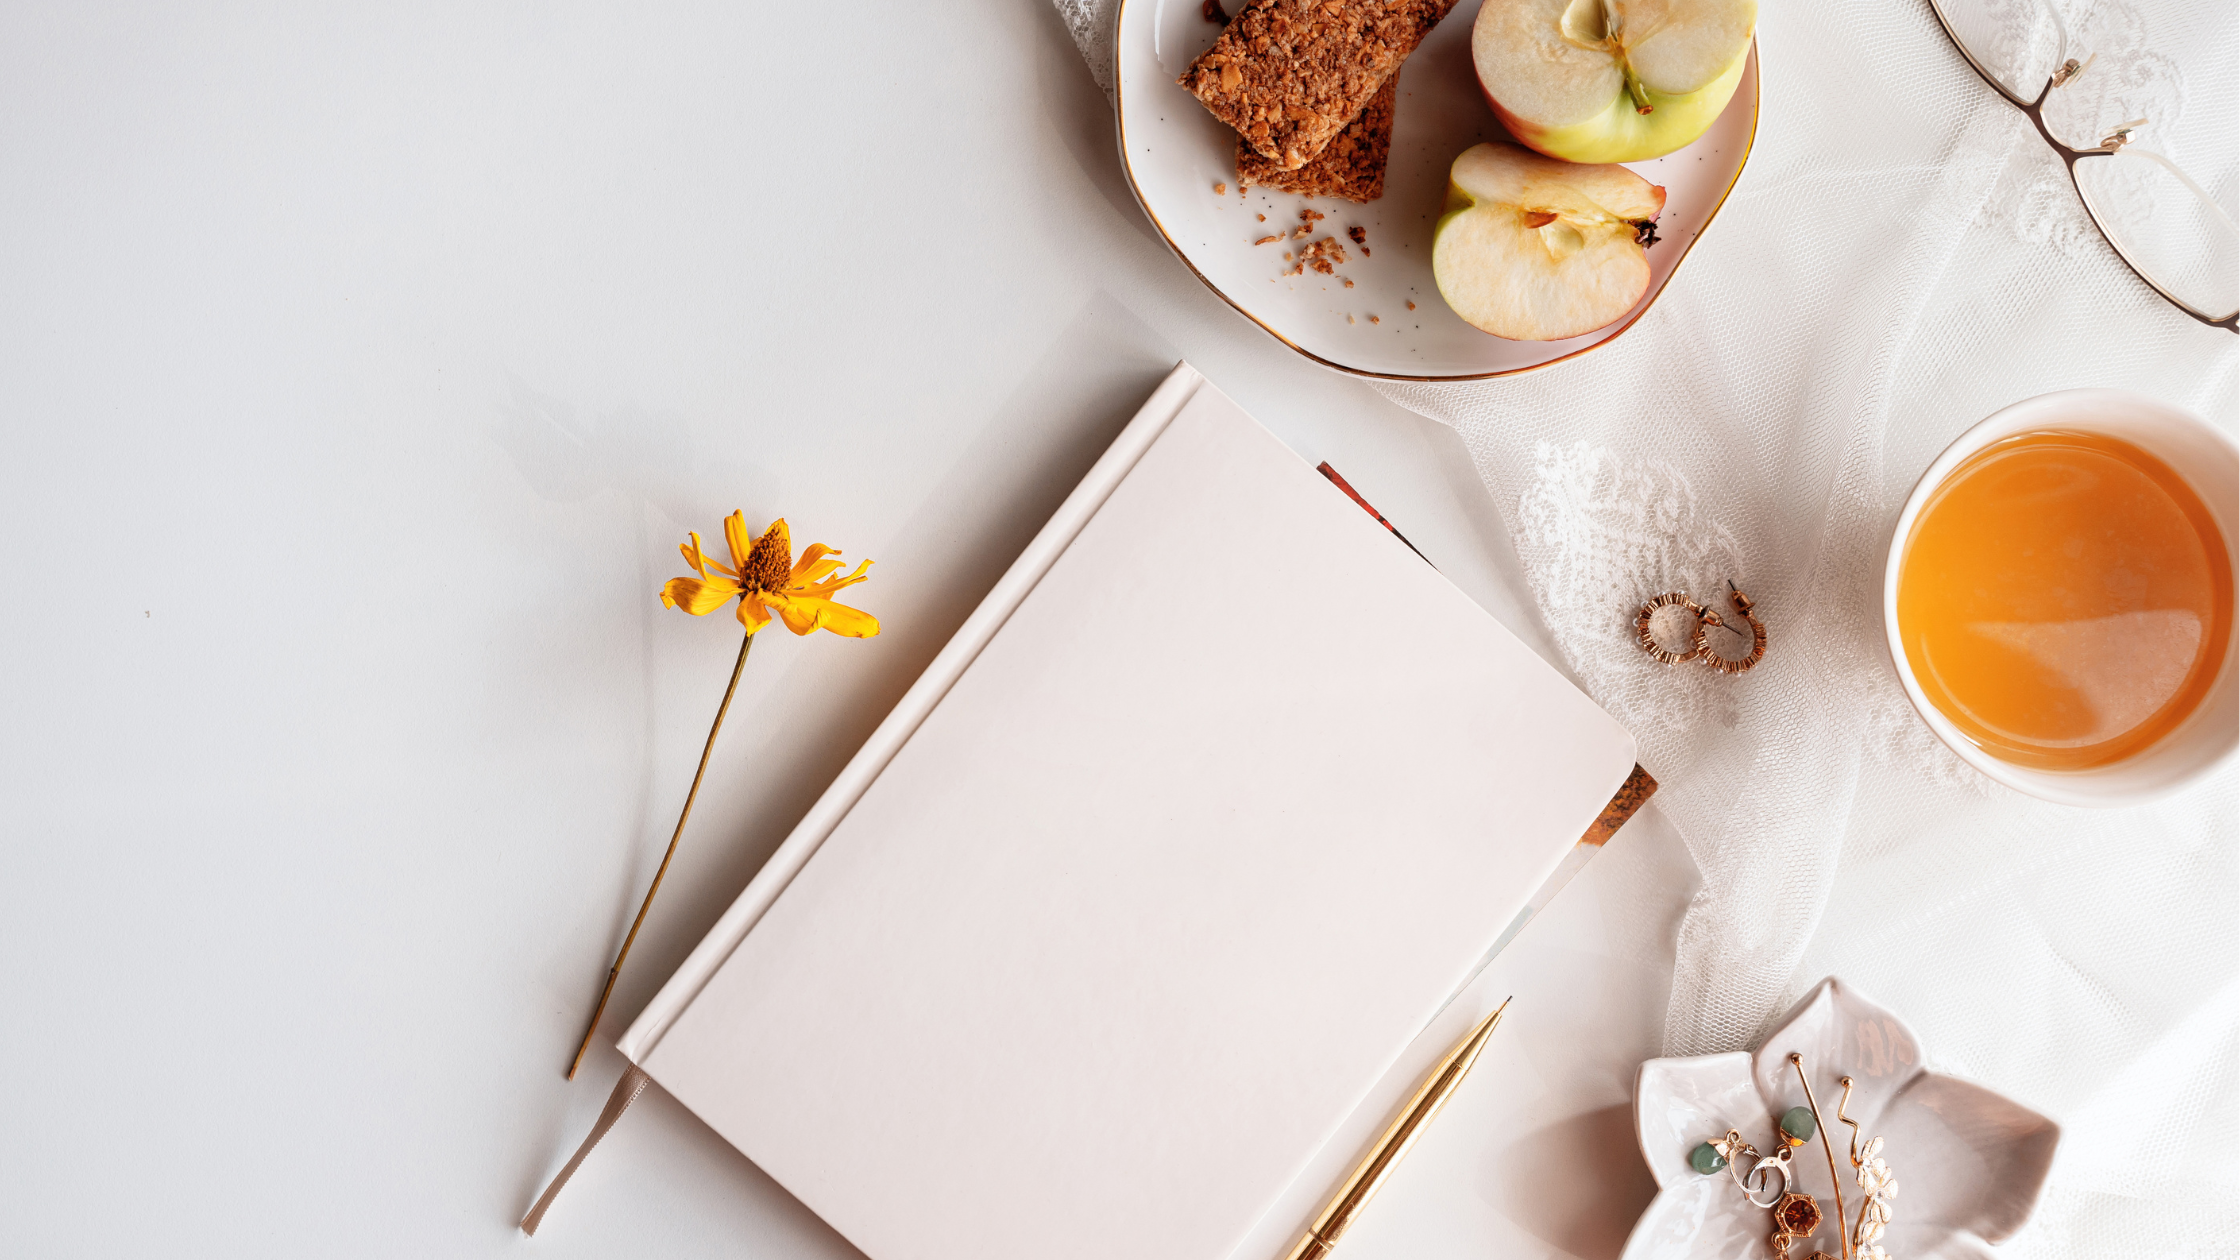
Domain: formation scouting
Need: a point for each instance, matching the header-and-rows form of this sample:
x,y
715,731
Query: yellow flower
x,y
764,577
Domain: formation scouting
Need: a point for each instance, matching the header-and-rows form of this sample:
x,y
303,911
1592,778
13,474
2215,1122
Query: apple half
x,y
1532,249
1610,80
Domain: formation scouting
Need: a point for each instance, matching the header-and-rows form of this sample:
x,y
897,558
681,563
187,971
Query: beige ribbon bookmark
x,y
626,1091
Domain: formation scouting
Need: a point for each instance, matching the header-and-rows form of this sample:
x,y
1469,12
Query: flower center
x,y
767,565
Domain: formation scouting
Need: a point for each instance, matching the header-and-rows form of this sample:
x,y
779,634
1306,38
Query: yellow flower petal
x,y
735,537
848,623
805,613
800,615
697,556
807,576
806,569
752,614
825,589
698,597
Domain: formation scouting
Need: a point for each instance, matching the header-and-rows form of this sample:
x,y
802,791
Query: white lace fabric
x,y
1902,257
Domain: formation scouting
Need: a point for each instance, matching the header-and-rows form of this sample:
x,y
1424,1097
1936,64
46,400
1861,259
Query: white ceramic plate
x,y
1175,152
1968,1163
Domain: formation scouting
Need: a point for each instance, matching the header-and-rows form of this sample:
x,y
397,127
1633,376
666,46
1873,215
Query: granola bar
x,y
1290,75
1350,166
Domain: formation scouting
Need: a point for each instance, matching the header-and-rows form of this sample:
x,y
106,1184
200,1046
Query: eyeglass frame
x,y
2109,146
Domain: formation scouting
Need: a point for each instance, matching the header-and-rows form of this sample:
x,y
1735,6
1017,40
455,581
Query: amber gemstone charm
x,y
1797,1214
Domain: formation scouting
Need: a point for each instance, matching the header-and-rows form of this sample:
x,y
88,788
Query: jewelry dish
x,y
1971,1162
1174,153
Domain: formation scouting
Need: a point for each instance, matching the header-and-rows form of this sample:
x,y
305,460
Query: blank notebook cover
x,y
1146,886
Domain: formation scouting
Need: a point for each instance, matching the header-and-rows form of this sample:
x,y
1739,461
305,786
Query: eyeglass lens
x,y
2163,230
2016,42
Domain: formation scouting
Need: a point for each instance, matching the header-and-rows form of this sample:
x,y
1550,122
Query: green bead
x,y
1797,1123
1706,1159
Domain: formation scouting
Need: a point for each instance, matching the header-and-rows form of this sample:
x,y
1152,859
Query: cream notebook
x,y
1148,883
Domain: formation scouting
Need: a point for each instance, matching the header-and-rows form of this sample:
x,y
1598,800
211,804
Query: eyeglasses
x,y
2163,225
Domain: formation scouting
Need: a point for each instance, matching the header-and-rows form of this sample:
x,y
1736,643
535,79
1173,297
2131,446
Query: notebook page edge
x,y
639,1041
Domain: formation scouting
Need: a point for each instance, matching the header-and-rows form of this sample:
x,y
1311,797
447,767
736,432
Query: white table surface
x,y
359,372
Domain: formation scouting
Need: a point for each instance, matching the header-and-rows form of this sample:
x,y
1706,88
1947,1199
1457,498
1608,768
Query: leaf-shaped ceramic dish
x,y
1969,1162
1175,152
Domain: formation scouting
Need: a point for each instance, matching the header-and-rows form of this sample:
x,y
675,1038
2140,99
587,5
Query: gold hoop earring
x,y
1646,638
1701,645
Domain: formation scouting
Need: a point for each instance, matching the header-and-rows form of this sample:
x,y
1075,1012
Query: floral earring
x,y
1875,1179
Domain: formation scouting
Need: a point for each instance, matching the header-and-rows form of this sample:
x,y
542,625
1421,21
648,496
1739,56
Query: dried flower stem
x,y
628,941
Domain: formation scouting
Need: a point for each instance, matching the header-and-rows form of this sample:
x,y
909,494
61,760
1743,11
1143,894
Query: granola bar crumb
x,y
1323,255
1411,306
1374,320
1265,239
1220,189
1349,284
1359,234
1263,218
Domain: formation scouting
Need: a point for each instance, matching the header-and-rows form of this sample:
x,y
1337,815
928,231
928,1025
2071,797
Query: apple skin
x,y
1623,134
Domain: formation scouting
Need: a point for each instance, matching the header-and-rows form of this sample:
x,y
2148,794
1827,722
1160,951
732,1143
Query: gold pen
x,y
1383,1157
